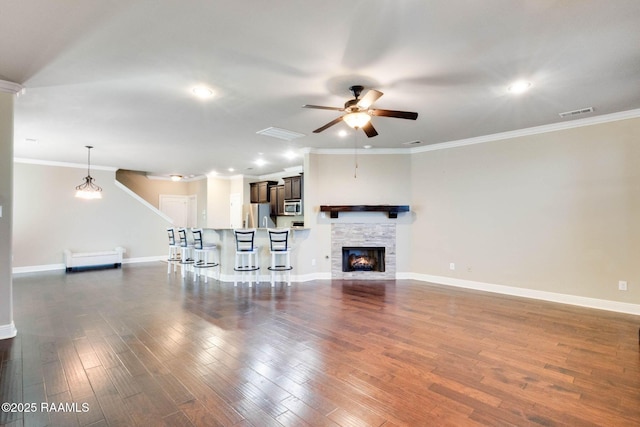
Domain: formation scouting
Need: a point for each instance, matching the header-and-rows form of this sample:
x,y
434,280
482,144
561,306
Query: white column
x,y
8,92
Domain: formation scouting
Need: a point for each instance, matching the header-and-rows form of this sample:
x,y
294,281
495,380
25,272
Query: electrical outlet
x,y
622,285
452,266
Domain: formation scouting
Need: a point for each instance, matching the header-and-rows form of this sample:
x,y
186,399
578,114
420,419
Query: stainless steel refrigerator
x,y
258,215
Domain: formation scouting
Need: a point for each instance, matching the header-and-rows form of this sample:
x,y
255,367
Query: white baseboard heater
x,y
75,261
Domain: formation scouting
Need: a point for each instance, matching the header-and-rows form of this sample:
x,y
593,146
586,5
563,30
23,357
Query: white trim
x,y
589,121
62,164
144,259
621,307
8,331
367,151
143,201
183,179
10,87
54,267
37,268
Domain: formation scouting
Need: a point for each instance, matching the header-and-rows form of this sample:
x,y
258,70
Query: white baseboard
x,y
38,268
144,259
620,307
54,267
8,331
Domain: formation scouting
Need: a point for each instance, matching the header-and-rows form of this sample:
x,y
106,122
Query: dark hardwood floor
x,y
135,347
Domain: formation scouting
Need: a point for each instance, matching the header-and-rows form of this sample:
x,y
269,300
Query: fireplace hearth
x,y
363,259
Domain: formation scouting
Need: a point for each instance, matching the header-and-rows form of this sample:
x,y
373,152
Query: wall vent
x,y
285,134
576,112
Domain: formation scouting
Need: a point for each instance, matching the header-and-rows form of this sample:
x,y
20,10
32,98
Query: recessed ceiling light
x,y
260,162
231,169
519,86
367,146
176,177
343,133
202,92
290,155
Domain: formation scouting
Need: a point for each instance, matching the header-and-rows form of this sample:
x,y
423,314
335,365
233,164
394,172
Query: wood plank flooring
x,y
137,347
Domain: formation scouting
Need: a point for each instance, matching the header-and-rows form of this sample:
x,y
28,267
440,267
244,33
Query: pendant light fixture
x,y
88,190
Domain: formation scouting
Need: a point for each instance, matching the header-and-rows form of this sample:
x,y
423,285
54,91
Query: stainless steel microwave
x,y
293,207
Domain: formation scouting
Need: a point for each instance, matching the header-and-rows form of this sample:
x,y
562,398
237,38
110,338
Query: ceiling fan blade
x,y
393,113
369,98
369,130
320,107
328,125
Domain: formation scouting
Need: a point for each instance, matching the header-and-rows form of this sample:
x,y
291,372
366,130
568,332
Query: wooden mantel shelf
x,y
391,210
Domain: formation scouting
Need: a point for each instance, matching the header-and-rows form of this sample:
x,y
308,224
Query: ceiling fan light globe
x,y
357,120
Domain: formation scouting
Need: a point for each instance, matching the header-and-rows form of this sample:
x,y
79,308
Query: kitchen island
x,y
226,242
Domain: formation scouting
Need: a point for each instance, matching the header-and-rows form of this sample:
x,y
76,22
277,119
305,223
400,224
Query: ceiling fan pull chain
x,y
355,153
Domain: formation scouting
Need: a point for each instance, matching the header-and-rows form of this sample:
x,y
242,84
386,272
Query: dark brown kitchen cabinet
x,y
277,200
259,191
293,188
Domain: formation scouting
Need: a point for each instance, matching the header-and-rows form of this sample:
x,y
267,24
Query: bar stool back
x,y
174,251
205,255
280,253
247,256
186,251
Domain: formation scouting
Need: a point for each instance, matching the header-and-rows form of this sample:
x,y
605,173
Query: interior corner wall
x,y
554,212
48,218
218,211
6,202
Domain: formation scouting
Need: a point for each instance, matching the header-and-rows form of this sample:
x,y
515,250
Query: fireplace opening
x,y
363,258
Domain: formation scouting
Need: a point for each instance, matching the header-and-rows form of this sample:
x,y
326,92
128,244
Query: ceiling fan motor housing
x,y
356,90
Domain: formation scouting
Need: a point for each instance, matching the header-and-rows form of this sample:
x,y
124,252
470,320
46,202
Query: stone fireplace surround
x,y
363,234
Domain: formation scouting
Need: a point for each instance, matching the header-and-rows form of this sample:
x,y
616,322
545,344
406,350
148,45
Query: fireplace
x,y
373,251
362,258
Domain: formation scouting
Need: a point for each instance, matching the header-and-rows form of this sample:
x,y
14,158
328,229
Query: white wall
x,y
7,328
49,219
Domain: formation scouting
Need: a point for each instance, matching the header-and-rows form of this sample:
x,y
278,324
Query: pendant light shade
x,y
88,190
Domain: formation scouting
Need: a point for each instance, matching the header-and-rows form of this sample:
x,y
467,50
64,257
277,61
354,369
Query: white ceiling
x,y
117,74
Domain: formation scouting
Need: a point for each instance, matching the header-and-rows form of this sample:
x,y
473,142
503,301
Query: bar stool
x,y
186,251
174,251
247,255
280,253
201,259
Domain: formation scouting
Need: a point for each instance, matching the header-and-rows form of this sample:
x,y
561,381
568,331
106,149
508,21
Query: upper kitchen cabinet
x,y
293,187
259,191
277,200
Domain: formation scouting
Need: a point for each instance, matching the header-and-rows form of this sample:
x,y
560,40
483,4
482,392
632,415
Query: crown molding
x,y
10,87
62,164
605,118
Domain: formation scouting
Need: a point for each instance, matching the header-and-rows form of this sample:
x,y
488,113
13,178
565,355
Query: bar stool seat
x,y
280,253
205,255
247,256
186,251
174,251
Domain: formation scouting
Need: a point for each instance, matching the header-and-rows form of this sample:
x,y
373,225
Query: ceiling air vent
x,y
287,135
576,112
412,143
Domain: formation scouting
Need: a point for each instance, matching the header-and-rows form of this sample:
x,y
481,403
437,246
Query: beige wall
x,y
151,189
49,219
556,212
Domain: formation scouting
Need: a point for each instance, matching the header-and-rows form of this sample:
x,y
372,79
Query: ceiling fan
x,y
359,111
